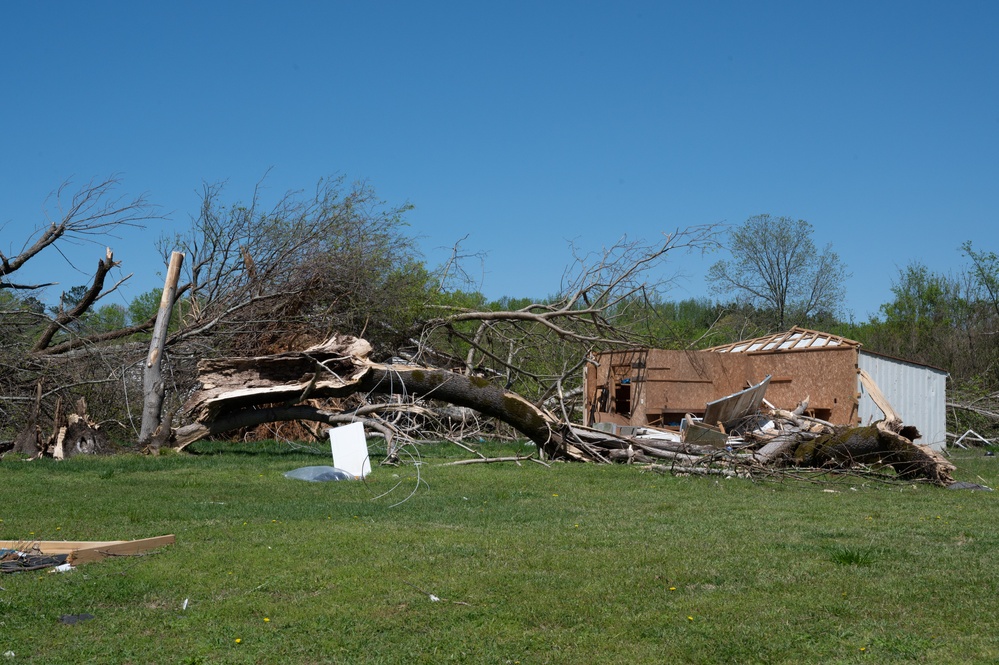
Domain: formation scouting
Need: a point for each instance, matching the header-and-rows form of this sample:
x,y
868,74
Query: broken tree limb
x,y
877,396
974,409
776,447
492,460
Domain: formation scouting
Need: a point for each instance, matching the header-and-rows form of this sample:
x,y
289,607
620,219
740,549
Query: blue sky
x,y
522,124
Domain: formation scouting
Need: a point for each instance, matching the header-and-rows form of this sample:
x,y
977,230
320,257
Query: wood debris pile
x,y
774,441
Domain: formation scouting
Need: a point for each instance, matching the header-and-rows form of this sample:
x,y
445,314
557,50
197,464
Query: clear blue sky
x,y
522,124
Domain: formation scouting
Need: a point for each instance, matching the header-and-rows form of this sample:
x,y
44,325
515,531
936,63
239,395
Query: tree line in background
x,y
259,280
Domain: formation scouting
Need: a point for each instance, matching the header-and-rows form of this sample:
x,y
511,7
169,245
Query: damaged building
x,y
659,387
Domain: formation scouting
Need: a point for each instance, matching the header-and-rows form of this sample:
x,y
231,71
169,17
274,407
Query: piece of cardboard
x,y
350,449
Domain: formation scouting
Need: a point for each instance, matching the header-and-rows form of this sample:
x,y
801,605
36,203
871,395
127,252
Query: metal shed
x,y
657,387
917,392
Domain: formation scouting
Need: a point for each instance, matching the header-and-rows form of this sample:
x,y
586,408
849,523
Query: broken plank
x,y
86,551
122,548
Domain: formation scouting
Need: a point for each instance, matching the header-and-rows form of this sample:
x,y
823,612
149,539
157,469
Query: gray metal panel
x,y
917,393
729,410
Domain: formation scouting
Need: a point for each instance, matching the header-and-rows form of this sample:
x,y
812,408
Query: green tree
x,y
984,276
107,318
776,268
921,319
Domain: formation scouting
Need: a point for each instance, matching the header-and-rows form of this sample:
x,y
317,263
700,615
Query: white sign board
x,y
350,449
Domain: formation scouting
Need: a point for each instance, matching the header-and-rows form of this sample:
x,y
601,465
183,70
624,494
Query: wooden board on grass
x,y
85,551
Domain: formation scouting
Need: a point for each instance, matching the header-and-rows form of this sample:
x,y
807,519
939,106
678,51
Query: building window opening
x,y
622,397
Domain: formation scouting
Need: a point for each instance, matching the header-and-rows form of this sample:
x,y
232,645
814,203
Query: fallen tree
x,y
244,392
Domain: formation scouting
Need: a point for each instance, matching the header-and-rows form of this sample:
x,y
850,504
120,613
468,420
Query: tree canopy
x,y
776,268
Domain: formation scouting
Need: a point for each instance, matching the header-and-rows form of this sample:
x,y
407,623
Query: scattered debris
x,y
433,598
73,619
746,436
963,485
350,449
18,561
318,474
973,437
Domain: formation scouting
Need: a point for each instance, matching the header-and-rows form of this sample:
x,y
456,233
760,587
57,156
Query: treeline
x,y
259,280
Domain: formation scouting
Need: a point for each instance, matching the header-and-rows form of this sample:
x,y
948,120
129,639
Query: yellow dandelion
x,y
690,618
672,588
267,620
239,641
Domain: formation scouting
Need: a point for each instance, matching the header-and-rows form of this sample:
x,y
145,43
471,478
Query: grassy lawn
x,y
572,564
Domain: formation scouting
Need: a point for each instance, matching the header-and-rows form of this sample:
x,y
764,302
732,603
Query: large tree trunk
x,y
242,392
885,442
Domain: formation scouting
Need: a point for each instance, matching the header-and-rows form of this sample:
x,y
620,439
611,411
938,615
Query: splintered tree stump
x,y
28,441
81,436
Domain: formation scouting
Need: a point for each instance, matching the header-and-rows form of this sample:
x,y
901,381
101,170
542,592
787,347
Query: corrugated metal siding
x,y
916,392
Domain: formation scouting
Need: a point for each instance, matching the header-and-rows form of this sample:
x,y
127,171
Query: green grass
x,y
573,564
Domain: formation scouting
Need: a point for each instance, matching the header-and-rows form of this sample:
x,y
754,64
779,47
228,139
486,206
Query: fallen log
x,y
244,392
883,443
